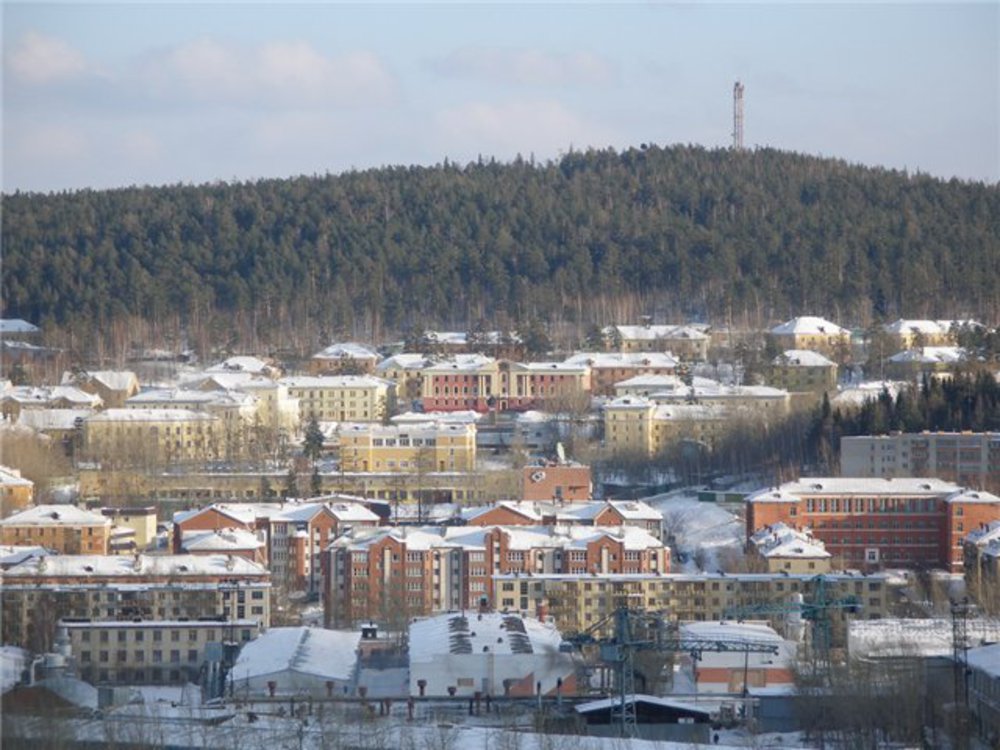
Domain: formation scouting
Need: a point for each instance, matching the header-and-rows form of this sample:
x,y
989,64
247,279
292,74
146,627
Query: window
x,y
192,654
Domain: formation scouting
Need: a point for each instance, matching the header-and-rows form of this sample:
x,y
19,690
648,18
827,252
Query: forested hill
x,y
679,230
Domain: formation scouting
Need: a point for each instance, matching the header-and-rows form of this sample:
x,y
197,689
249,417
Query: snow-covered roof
x,y
347,350
781,541
826,486
325,654
972,496
891,637
14,554
16,325
412,417
624,359
247,514
27,395
985,534
802,358
985,658
404,361
113,380
12,478
562,367
151,415
461,363
181,396
220,540
632,403
637,698
809,326
475,634
56,515
653,332
930,355
252,365
413,429
925,327
52,419
857,395
90,567
335,381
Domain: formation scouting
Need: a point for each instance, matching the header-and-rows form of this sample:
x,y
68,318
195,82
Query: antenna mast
x,y
738,116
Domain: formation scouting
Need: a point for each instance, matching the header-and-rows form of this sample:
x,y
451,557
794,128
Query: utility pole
x,y
738,116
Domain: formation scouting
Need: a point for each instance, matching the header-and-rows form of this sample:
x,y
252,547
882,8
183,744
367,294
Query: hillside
x,y
679,231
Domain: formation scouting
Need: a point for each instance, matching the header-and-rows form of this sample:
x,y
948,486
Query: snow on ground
x,y
700,531
13,661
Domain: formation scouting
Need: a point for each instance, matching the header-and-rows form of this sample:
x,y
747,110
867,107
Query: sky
x,y
118,94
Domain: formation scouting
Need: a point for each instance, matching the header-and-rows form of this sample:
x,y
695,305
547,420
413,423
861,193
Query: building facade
x,y
65,529
342,398
122,437
417,448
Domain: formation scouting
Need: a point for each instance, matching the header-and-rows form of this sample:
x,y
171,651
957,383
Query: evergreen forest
x,y
600,236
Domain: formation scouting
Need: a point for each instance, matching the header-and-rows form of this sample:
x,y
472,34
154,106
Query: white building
x,y
489,653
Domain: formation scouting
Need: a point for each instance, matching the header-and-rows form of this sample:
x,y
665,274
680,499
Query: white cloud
x,y
41,59
285,73
544,127
527,67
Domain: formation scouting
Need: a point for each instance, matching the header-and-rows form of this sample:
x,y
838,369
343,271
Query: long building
x,y
872,523
969,458
42,590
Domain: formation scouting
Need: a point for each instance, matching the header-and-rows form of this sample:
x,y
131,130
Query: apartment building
x,y
414,448
564,480
152,652
780,548
344,358
236,411
813,334
638,426
16,492
114,387
407,372
65,529
294,534
140,520
342,398
610,368
907,334
43,590
871,523
405,572
152,437
592,513
981,549
22,398
801,370
577,602
971,459
686,342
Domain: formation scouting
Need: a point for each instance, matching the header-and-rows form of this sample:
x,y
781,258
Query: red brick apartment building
x,y
869,524
406,572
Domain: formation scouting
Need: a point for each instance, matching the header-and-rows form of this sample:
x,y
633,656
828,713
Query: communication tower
x,y
737,116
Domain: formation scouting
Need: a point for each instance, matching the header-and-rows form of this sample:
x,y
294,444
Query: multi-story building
x,y
345,358
907,334
62,528
638,426
577,602
142,522
152,652
870,523
277,411
671,390
610,368
925,361
342,398
686,342
42,590
407,372
294,533
415,448
114,387
981,549
564,481
799,370
595,513
782,548
971,459
16,492
403,572
19,399
481,384
814,334
152,437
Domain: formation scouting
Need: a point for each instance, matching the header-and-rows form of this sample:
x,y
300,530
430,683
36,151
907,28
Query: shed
x,y
656,718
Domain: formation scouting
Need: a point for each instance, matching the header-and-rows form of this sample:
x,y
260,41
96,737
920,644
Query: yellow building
x,y
801,370
628,425
686,342
141,521
16,492
62,528
407,372
909,334
577,602
426,447
152,436
342,398
780,548
814,334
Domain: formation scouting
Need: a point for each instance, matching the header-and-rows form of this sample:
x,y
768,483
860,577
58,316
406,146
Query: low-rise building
x,y
983,665
814,334
594,513
638,426
801,370
732,671
560,481
488,654
16,492
982,565
971,459
607,369
415,448
347,358
684,341
19,399
141,520
782,548
65,529
152,437
930,361
908,334
870,523
342,398
42,590
114,387
153,652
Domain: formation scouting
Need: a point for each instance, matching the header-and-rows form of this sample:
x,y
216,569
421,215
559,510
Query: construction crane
x,y
619,649
815,611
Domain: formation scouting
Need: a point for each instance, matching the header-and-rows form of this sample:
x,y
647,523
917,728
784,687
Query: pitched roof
x,y
326,654
809,325
56,515
91,567
347,350
802,358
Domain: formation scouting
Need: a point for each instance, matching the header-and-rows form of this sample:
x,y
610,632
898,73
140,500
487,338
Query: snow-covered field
x,y
700,531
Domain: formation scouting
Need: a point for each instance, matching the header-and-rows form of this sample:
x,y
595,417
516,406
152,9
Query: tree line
x,y
595,236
